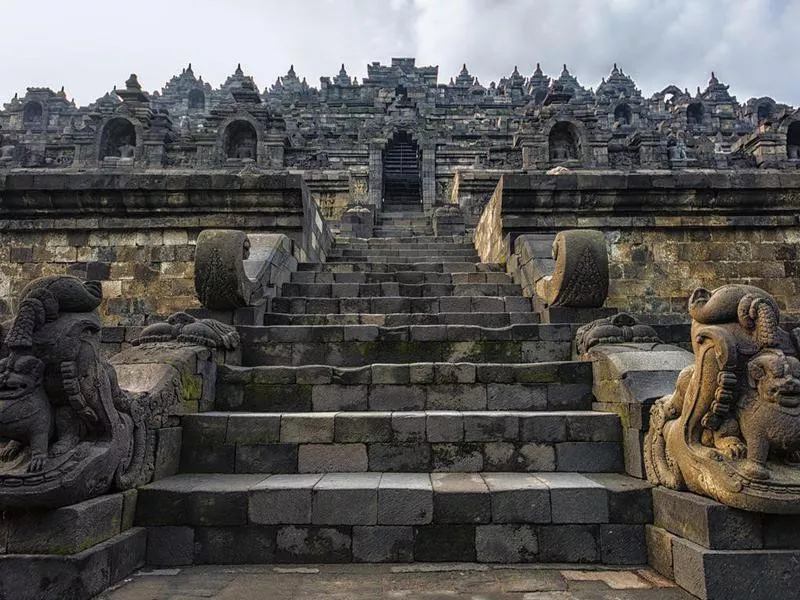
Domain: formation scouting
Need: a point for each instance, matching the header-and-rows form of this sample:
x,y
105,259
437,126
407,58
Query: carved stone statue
x,y
127,149
731,428
185,328
622,328
67,431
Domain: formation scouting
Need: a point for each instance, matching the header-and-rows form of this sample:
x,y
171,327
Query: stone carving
x,y
580,276
67,431
220,279
731,428
622,328
185,328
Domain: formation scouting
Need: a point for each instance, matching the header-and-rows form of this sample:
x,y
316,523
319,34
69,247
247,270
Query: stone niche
x,y
564,143
241,141
196,100
118,141
32,114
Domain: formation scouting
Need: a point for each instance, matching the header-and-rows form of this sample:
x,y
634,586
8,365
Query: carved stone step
x,y
421,441
405,259
354,266
397,517
482,319
412,387
402,277
410,240
394,289
365,345
401,304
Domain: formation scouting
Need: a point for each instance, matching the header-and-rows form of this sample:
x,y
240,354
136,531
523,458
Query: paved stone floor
x,y
406,582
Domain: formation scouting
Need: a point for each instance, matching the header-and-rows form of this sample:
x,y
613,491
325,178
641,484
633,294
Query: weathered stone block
x,y
282,499
460,498
405,499
66,530
383,544
303,544
444,543
506,543
307,428
576,499
706,522
235,545
170,546
326,458
346,499
518,498
568,543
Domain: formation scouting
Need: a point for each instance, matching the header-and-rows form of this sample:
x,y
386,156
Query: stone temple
x,y
396,321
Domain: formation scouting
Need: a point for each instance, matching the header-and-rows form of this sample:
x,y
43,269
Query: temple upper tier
x,y
520,122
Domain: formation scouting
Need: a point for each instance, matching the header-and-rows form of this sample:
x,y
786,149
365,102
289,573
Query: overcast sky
x,y
88,46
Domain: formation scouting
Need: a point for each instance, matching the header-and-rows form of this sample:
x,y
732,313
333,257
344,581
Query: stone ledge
x,y
78,576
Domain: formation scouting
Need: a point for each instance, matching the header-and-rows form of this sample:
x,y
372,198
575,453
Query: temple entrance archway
x,y
402,180
622,114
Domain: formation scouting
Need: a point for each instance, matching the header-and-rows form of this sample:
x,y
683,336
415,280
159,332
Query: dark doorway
x,y
401,171
793,141
695,114
32,114
197,99
118,139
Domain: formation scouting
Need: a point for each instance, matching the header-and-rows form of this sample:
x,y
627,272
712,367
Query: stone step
x,y
393,289
554,386
402,277
482,319
395,232
419,441
404,258
396,517
401,304
402,247
359,345
388,267
423,251
419,240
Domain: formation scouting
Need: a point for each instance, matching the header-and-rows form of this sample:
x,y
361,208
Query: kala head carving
x,y
731,429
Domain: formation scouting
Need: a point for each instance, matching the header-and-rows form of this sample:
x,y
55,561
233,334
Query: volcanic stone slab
x,y
405,499
506,543
282,499
706,522
346,499
460,498
383,544
575,498
518,498
170,546
67,530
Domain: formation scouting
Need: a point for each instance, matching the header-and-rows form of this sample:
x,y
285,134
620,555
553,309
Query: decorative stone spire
x,y
133,83
239,71
538,71
189,70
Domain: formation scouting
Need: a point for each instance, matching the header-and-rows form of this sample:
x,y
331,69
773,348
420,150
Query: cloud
x,y
89,46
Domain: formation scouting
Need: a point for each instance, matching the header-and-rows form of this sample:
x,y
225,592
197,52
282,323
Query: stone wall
x,y
136,233
667,232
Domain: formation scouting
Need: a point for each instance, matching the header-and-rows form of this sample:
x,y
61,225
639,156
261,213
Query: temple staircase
x,y
400,403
